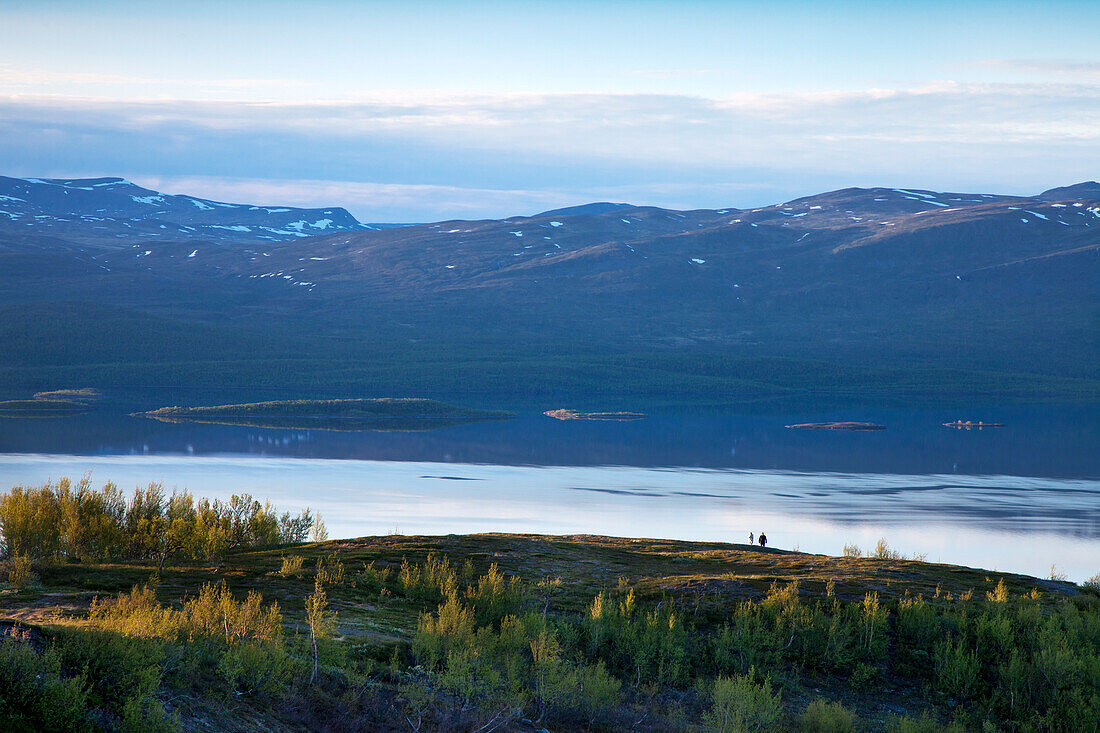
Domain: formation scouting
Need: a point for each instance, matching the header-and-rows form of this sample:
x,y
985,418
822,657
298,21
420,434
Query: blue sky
x,y
429,110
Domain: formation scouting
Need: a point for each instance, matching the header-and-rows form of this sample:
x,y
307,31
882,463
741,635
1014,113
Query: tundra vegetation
x,y
156,612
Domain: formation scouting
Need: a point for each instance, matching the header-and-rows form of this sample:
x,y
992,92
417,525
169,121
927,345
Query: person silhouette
x,y
763,540
752,541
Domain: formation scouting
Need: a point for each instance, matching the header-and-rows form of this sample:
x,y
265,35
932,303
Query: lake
x,y
1019,498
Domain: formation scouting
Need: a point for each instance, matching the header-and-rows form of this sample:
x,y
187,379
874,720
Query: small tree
x,y
318,531
322,623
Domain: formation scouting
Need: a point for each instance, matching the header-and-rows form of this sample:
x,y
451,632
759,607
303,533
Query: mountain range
x,y
896,288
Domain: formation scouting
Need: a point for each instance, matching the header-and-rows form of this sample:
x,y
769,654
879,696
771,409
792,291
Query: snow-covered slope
x,y
107,209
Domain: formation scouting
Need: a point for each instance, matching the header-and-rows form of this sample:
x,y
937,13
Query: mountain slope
x,y
887,279
108,210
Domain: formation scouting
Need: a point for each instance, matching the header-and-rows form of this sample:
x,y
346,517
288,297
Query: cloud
x,y
18,80
368,200
371,201
424,154
1043,67
674,73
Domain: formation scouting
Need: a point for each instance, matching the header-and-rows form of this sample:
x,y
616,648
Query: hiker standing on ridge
x,y
751,541
763,539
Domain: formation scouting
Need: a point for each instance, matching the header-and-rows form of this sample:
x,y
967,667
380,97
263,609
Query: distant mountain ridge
x,y
598,207
1079,191
116,209
885,278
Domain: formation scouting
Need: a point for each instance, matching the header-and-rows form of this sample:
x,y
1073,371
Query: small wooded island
x,y
343,414
56,403
967,425
576,415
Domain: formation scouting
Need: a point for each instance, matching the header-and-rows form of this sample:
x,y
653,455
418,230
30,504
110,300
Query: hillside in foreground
x,y
520,633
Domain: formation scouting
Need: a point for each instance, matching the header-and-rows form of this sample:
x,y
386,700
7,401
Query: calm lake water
x,y
1019,498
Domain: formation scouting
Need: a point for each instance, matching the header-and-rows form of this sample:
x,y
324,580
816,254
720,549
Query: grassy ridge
x,y
513,632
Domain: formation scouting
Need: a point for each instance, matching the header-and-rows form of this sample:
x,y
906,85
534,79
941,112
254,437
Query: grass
x,y
380,588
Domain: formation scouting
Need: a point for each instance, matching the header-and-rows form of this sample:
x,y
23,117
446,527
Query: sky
x,y
422,111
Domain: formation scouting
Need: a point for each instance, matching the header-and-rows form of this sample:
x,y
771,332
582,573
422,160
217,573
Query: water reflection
x,y
1037,440
1010,523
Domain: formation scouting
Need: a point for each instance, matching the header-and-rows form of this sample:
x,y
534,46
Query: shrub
x,y
373,578
956,669
118,671
999,594
494,597
331,571
251,669
782,597
926,723
433,581
917,628
34,696
750,641
883,551
136,613
873,626
865,677
591,693
1093,582
21,576
852,551
215,613
292,566
827,717
742,706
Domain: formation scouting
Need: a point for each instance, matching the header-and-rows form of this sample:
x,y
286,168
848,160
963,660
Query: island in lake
x,y
381,414
838,426
968,424
575,415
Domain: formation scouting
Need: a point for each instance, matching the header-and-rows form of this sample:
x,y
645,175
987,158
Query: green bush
x,y
433,581
21,575
865,677
258,669
741,705
926,723
291,567
918,626
821,716
588,693
116,669
35,696
957,669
